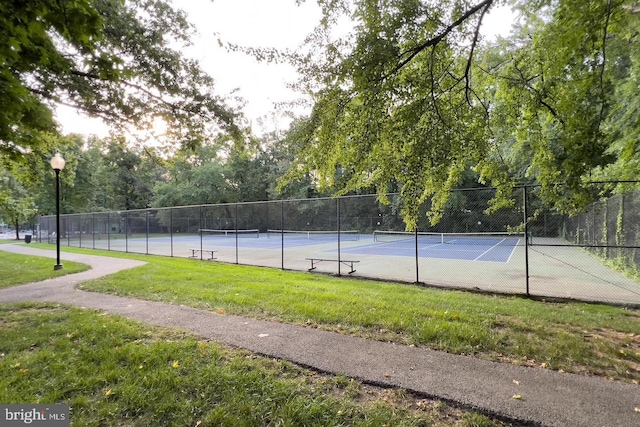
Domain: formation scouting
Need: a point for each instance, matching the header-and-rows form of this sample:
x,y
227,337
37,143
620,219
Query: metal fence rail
x,y
521,249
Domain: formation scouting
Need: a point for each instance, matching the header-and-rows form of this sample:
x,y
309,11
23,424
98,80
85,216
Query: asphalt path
x,y
548,398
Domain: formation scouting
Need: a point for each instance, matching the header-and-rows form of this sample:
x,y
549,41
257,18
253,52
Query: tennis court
x,y
495,247
471,247
270,239
178,244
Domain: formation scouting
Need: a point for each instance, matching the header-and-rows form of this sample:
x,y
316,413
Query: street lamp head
x,y
57,162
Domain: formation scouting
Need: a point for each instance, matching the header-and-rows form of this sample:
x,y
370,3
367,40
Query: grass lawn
x,y
17,269
583,338
2,241
116,372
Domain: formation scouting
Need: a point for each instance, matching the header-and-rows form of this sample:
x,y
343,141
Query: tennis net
x,y
229,233
314,234
488,239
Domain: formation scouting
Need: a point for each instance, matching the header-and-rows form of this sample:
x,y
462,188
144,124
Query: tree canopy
x,y
113,59
413,95
413,99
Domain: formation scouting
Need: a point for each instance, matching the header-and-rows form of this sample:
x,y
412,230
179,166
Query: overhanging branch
x,y
96,112
467,70
127,83
412,53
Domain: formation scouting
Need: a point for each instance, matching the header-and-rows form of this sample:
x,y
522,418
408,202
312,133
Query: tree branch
x,y
537,93
604,63
127,83
190,109
433,95
434,41
106,115
467,70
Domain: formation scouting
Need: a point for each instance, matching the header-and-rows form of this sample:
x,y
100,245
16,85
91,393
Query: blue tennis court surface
x,y
477,248
252,240
492,248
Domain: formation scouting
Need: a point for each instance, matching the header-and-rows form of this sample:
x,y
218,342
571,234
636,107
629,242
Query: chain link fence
x,y
523,248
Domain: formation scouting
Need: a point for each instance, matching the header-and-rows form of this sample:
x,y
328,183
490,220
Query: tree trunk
x,y
17,230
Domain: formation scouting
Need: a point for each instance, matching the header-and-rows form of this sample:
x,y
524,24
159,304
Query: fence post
x,y
108,232
282,232
236,229
126,231
417,267
338,226
200,230
526,237
146,220
594,238
171,229
621,223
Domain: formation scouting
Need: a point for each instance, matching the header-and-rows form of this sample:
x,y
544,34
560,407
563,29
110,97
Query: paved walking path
x,y
548,398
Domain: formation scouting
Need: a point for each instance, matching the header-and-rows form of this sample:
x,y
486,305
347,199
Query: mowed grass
x,y
18,269
115,372
583,338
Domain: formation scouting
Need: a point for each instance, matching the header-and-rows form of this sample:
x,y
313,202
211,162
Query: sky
x,y
255,23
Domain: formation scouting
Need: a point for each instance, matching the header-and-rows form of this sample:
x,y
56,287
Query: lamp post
x,y
57,163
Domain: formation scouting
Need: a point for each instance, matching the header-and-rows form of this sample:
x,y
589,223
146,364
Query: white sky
x,y
254,23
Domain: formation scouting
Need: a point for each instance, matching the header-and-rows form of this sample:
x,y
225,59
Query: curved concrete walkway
x,y
548,398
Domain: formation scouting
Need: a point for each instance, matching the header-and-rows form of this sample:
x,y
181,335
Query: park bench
x,y
196,251
348,263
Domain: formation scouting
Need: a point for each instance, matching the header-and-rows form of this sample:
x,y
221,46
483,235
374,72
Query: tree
x,y
126,179
16,205
413,96
283,150
255,168
112,59
99,175
623,123
394,100
552,94
80,183
196,177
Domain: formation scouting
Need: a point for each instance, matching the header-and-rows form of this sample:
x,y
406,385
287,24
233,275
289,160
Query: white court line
x,y
491,248
431,246
513,250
